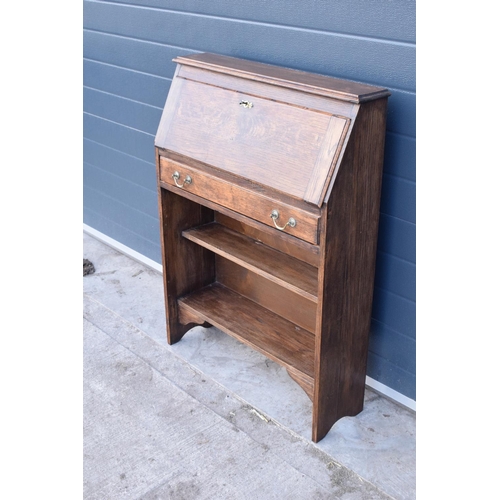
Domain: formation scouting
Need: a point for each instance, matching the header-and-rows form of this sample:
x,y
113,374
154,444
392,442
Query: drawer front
x,y
241,200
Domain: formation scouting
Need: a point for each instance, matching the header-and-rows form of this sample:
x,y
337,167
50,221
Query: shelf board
x,y
253,255
275,337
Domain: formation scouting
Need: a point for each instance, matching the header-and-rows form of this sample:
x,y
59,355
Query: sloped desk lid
x,y
289,148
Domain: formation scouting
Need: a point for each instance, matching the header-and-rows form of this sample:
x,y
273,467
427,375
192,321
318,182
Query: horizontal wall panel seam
x,y
127,228
121,97
153,193
86,186
144,40
398,134
385,290
396,176
116,123
388,361
375,19
398,218
197,51
125,68
261,23
392,330
396,257
381,253
382,288
409,181
118,151
116,200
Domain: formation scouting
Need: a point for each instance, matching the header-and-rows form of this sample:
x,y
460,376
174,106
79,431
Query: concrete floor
x,y
209,418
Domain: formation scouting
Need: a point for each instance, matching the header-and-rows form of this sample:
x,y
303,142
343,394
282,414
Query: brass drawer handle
x,y
291,221
176,176
246,104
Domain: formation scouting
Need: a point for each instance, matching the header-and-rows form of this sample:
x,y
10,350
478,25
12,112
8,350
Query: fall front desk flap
x,y
279,128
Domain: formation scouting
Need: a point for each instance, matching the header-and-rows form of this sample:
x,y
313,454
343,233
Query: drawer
x,y
239,199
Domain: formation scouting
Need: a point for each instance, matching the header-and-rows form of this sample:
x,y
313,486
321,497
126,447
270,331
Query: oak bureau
x,y
269,190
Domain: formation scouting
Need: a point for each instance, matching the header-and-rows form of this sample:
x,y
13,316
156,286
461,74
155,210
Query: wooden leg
x,y
340,393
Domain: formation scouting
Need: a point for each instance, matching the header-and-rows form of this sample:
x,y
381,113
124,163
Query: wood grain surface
x,y
241,200
346,274
289,78
272,143
268,294
254,325
291,246
280,268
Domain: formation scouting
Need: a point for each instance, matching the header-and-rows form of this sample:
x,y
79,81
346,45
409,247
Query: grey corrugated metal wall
x,y
128,51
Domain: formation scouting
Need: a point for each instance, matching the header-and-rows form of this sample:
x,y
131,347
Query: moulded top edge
x,y
337,88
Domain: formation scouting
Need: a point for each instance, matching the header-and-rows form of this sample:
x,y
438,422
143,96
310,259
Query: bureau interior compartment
x,y
260,295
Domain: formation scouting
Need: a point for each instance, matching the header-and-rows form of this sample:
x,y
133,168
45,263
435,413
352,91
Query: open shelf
x,y
256,326
274,265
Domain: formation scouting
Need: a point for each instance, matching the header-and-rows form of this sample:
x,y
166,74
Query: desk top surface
x,y
300,80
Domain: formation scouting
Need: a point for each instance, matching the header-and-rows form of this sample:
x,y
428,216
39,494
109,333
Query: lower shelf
x,y
254,325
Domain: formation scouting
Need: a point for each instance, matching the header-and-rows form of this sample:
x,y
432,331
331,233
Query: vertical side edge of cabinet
x,y
348,242
169,110
186,266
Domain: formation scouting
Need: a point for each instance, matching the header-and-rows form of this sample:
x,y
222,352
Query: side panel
x,y
346,276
